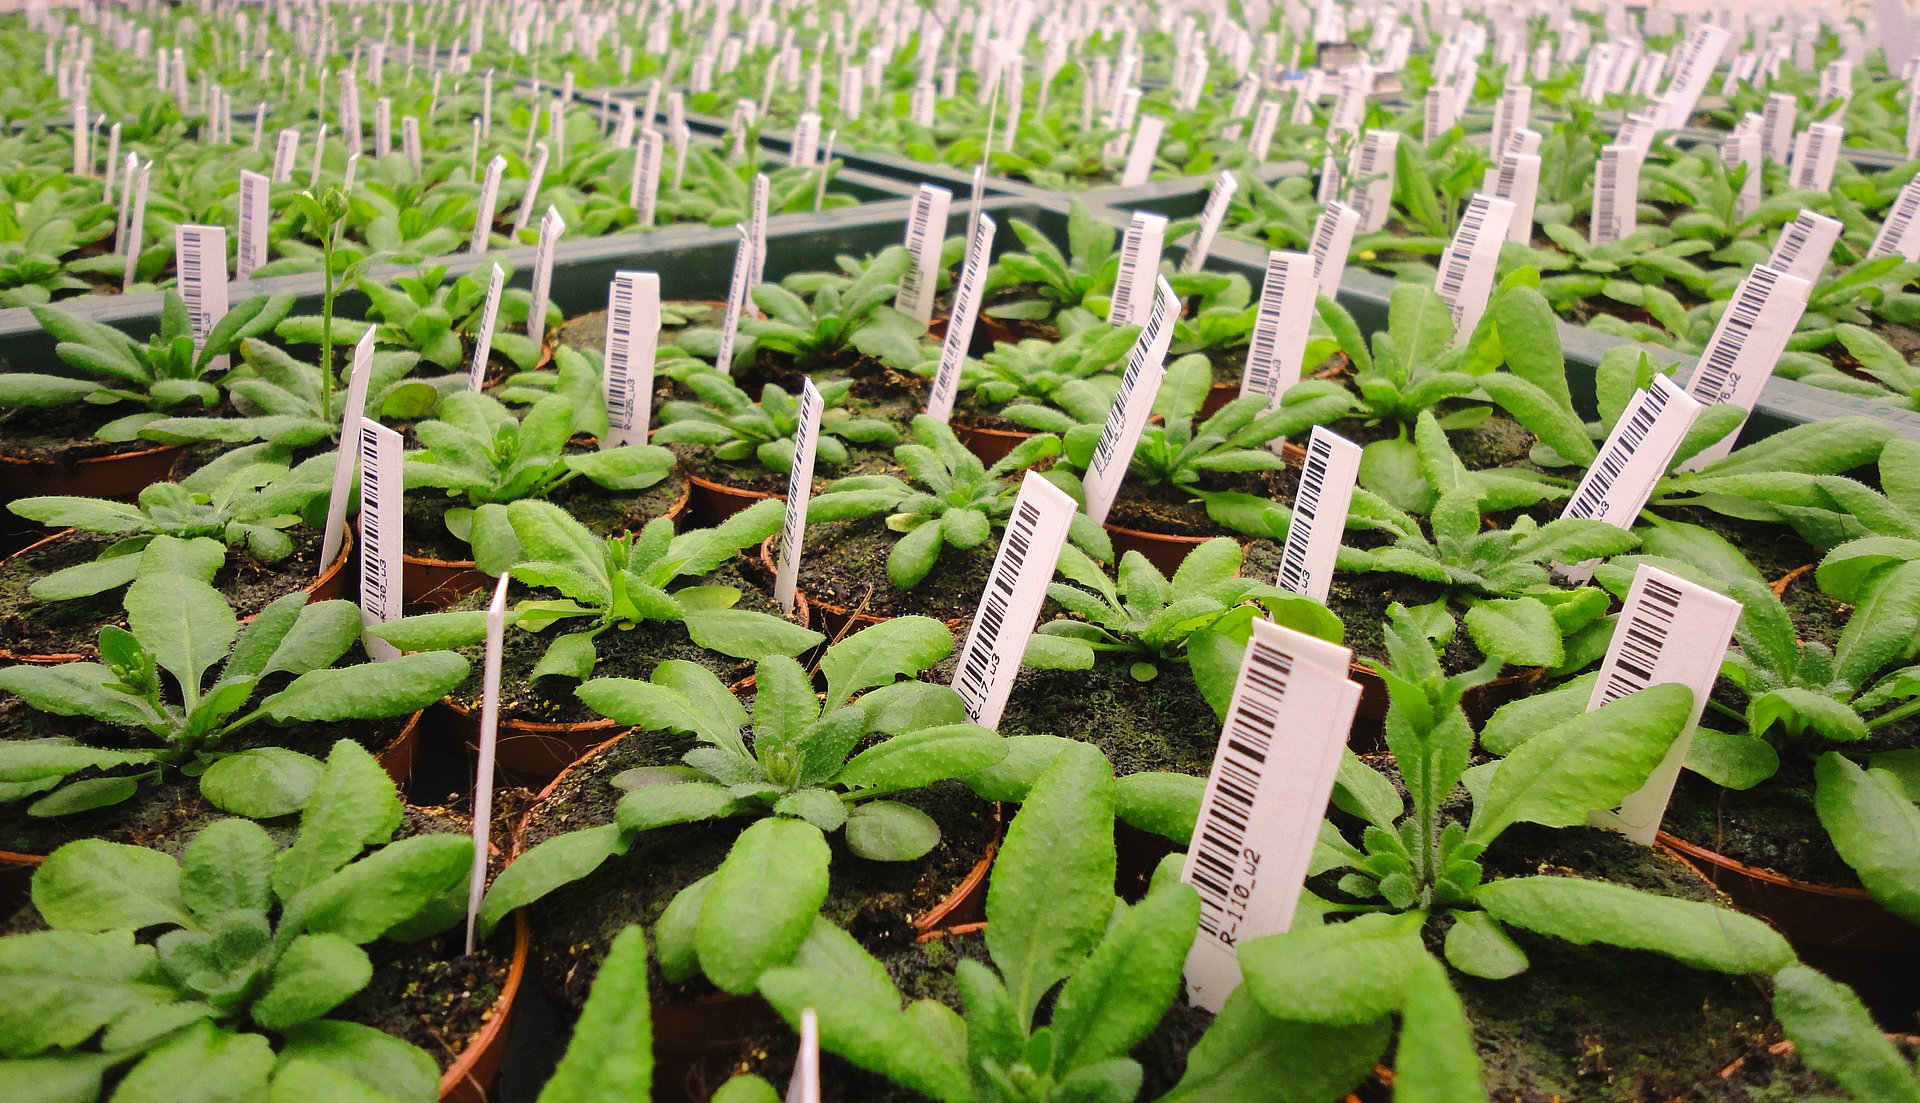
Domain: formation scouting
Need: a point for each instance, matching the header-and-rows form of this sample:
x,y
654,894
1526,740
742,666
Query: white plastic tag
x,y
1016,588
1804,245
1516,179
966,311
551,227
1140,249
1662,609
286,148
1699,56
1280,326
1616,194
1373,175
483,338
1266,794
410,142
1466,271
1260,141
486,754
344,457
1211,216
926,234
1896,236
633,337
1145,147
1745,346
737,291
804,1087
200,269
131,240
489,199
382,126
1332,241
1777,126
382,512
1815,151
806,141
1319,514
806,442
1634,458
1511,113
250,251
536,171
1146,367
643,190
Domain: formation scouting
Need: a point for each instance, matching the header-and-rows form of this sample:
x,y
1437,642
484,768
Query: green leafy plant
x,y
740,430
183,627
796,778
428,315
163,376
842,316
241,500
953,499
255,945
1634,270
617,583
1063,282
1835,1036
1034,371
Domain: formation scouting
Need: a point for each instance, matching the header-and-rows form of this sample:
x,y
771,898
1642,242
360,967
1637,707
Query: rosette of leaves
x,y
182,627
1277,214
739,430
1063,281
790,770
1431,184
1416,868
435,318
1050,150
1412,365
948,498
842,315
1707,192
42,224
1859,293
477,451
216,970
1223,314
1184,450
1634,270
1146,619
241,500
1889,378
1034,371
718,193
164,376
613,584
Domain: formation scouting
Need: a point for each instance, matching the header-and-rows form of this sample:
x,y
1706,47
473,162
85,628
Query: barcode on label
x,y
1896,236
1332,241
285,148
966,309
926,229
251,250
483,338
1325,494
1776,130
1280,326
1437,115
737,290
1373,170
1260,143
381,508
1815,153
1251,725
643,191
1717,378
1139,267
1628,439
200,266
1466,268
1016,587
633,335
1146,367
1211,216
1616,194
1804,245
551,227
535,173
489,198
806,438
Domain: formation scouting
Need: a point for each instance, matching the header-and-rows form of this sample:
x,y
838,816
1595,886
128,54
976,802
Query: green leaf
x,y
1731,761
1248,1056
317,973
371,1056
261,782
1121,992
227,867
1703,935
1344,974
544,867
94,885
1875,826
202,1064
387,888
60,988
1520,630
1518,721
763,901
875,656
611,1054
1479,948
84,796
370,691
185,624
1164,804
1435,1061
1583,764
354,806
745,634
1836,1037
746,1088
1052,890
919,758
888,831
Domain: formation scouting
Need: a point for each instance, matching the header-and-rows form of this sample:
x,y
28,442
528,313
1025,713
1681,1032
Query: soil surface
x,y
846,565
1162,724
1175,511
1361,601
63,434
606,512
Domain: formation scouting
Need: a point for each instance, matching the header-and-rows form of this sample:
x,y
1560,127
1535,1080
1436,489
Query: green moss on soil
x,y
846,565
1175,511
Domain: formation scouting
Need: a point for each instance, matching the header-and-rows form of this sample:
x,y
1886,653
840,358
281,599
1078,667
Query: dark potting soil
x,y
1228,364
170,809
1361,602
29,626
63,434
623,654
874,901
1599,1023
605,512
1174,510
846,565
698,460
1770,826
1162,724
1777,551
430,992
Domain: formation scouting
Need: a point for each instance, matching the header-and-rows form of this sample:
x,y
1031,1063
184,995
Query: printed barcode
x,y
1306,503
1806,169
1249,736
373,576
1893,232
1435,98
1792,240
192,279
802,446
1606,198
1261,377
1715,379
1643,639
1136,365
1593,495
1453,278
1126,285
917,227
982,655
620,356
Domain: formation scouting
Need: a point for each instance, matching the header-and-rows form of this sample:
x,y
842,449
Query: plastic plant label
x,y
1511,113
1804,245
804,1087
1616,194
1745,346
489,199
1145,147
1146,367
136,217
285,149
820,175
1895,28
633,337
1260,139
1815,151
1634,458
1745,148
737,290
551,227
1332,241
757,231
535,172
486,755
1699,56
806,141
793,526
1211,216
382,126
926,234
1661,610
623,127
483,338
966,312
1133,285
1010,604
1287,299
250,251
382,512
1465,278
1437,114
353,409
410,142
643,189
1516,179
200,267
1272,776
1319,514
1896,236
1776,129
1373,171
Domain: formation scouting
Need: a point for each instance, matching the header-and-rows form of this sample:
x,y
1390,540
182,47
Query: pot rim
x,y
1696,852
492,1032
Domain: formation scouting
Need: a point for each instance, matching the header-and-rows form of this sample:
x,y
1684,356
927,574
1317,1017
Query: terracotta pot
x,y
713,502
430,584
118,476
1163,551
1218,395
331,585
1842,931
470,1078
534,752
833,621
990,445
